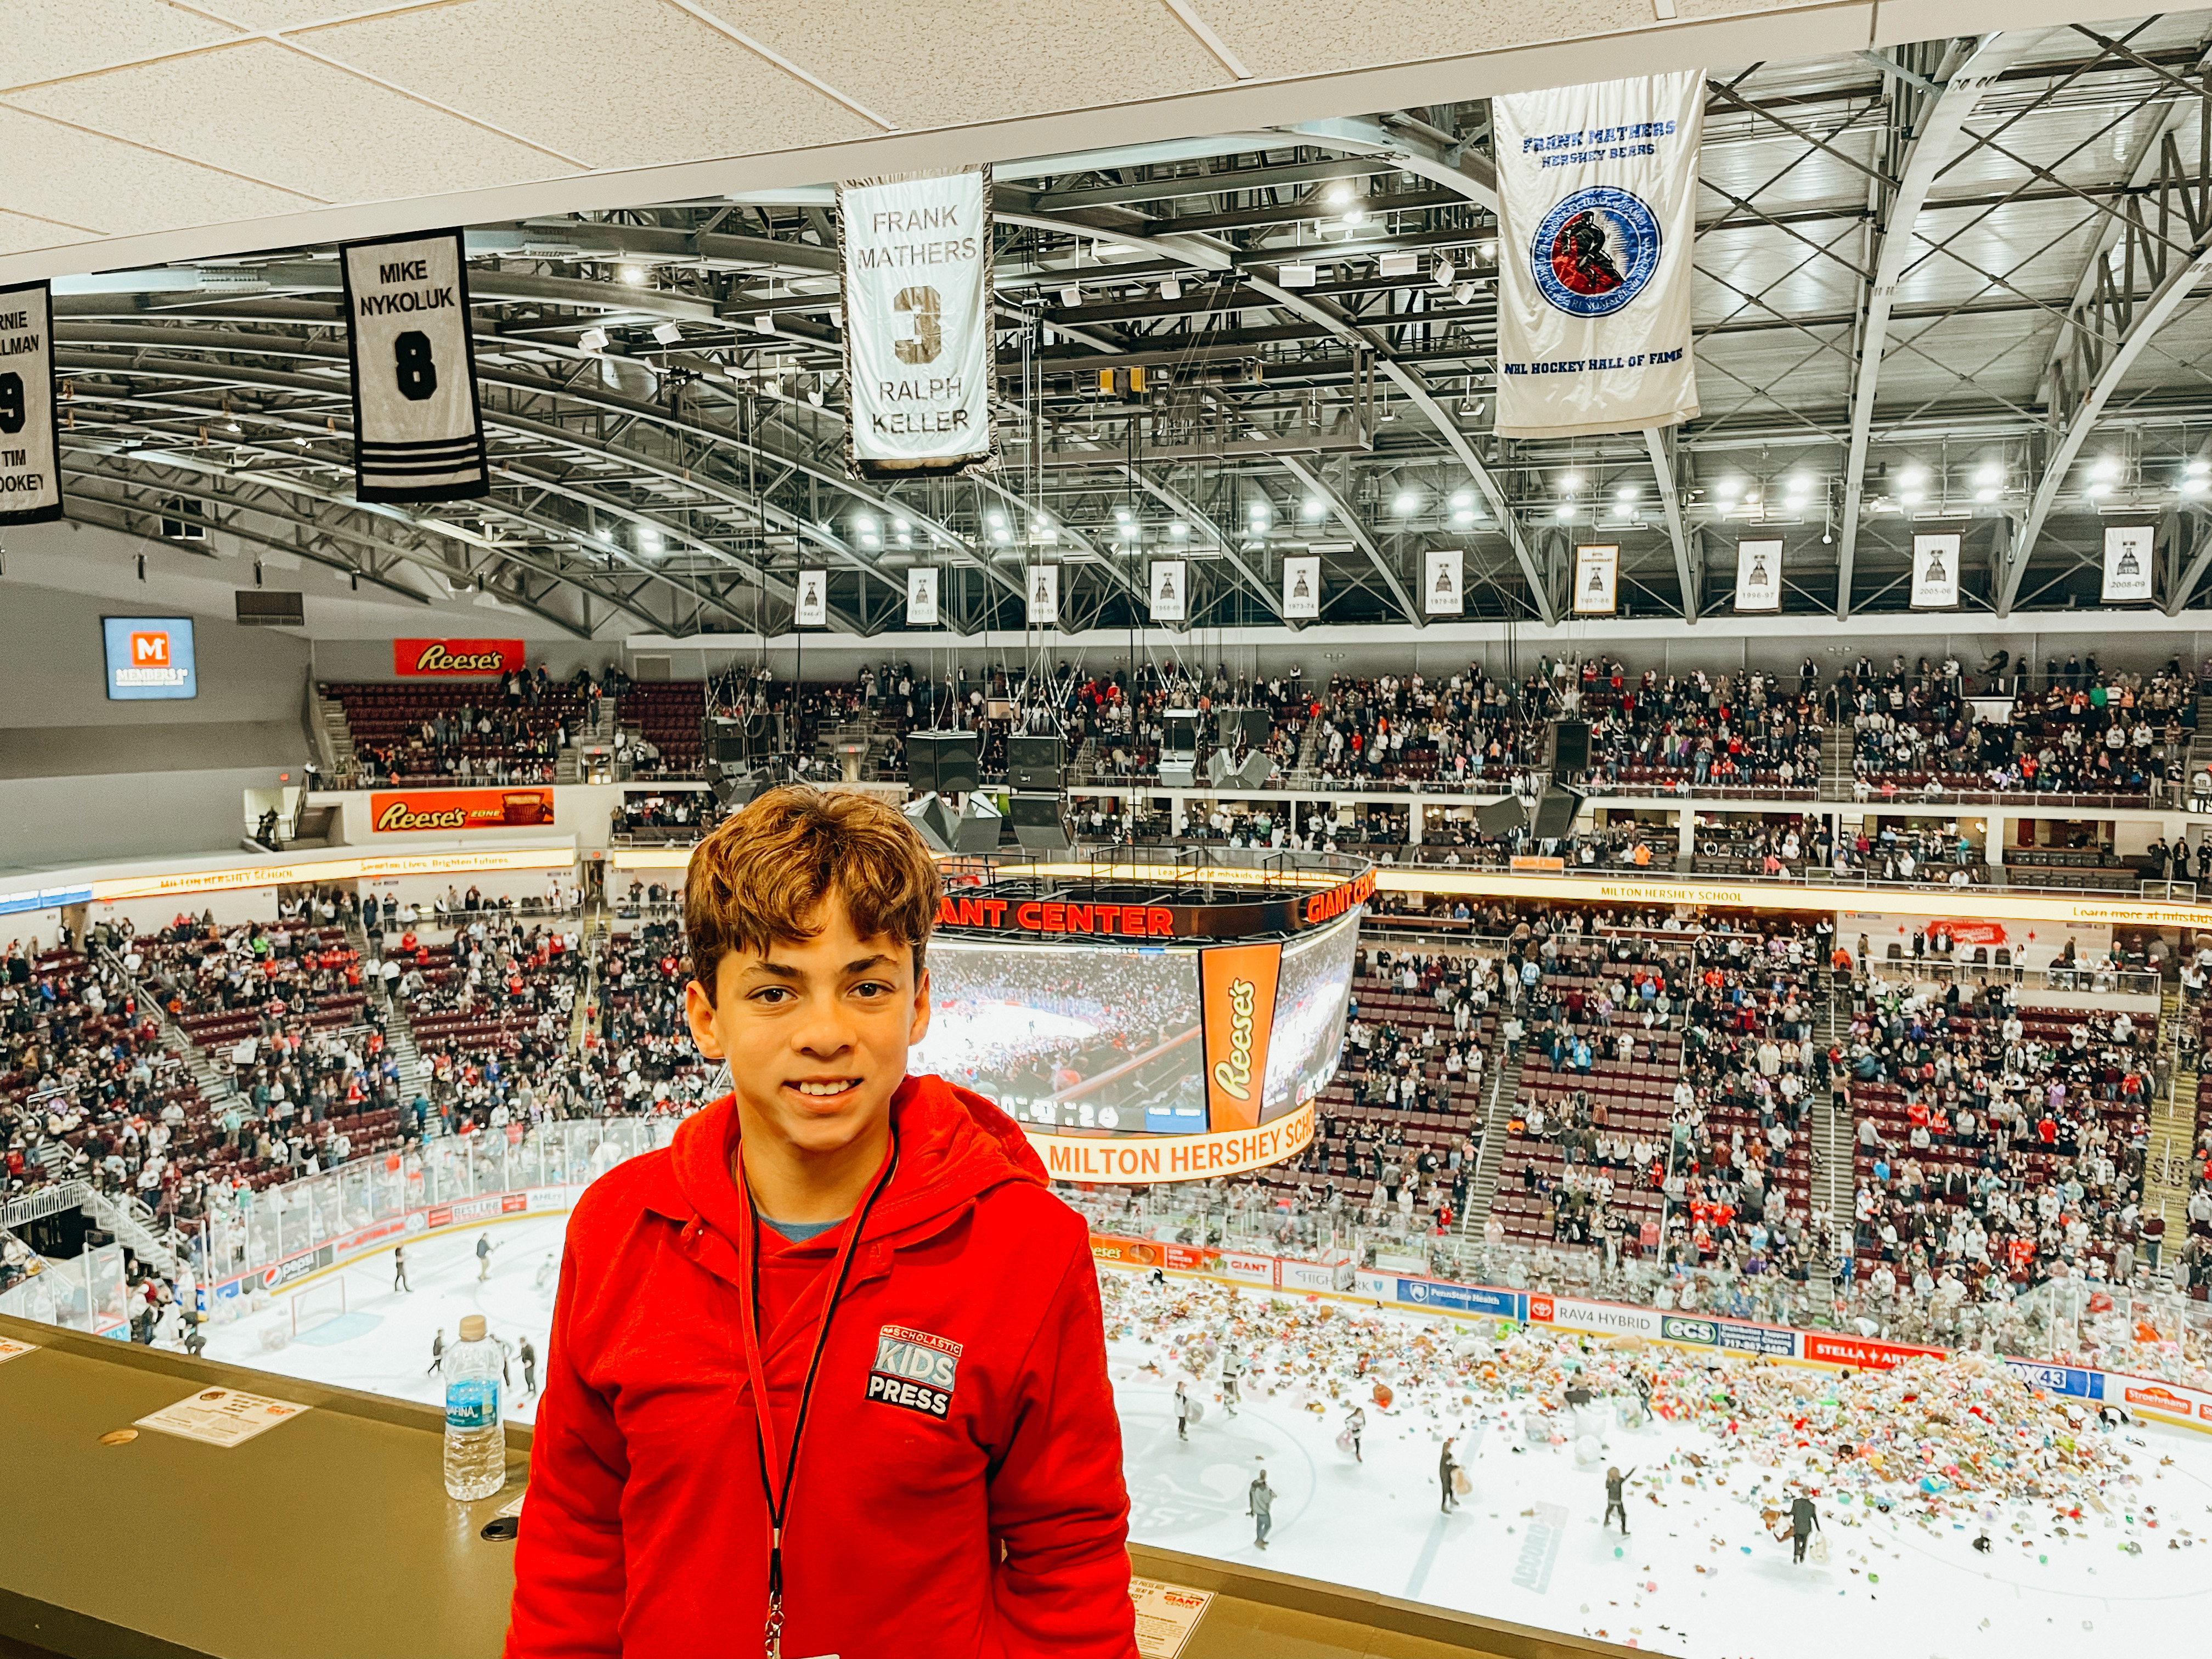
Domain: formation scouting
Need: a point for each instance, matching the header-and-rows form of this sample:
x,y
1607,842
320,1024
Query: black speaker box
x,y
1567,752
1502,818
1033,763
1037,822
1555,812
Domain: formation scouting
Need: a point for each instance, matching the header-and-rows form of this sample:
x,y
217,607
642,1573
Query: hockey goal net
x,y
317,1304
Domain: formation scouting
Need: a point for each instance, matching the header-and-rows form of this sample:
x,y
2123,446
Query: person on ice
x,y
1355,1426
1260,1504
1182,1413
1447,1466
1614,1502
1232,1371
827,1373
1804,1522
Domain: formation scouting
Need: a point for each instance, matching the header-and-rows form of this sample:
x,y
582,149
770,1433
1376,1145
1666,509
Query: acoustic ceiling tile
x,y
646,83
58,171
274,114
19,232
1274,38
50,39
976,60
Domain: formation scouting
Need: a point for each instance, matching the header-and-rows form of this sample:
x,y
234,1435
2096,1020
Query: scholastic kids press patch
x,y
914,1370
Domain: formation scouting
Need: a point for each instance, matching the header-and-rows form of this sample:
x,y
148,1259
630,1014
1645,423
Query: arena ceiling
x,y
1955,284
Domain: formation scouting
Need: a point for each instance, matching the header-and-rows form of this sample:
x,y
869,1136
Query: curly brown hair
x,y
763,874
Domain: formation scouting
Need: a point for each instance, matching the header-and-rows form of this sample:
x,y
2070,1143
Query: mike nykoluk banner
x,y
1597,190
1302,588
1442,575
2127,567
1170,590
1935,572
1759,575
916,250
30,438
811,607
417,429
921,596
1597,581
1042,584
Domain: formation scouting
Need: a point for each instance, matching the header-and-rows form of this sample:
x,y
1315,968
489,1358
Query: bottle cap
x,y
473,1328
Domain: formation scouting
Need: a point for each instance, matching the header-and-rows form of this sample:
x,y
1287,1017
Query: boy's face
x,y
815,1033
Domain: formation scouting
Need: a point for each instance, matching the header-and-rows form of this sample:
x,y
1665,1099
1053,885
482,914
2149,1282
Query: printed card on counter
x,y
11,1349
1166,1615
222,1417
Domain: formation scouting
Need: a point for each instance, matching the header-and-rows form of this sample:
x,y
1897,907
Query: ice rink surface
x,y
1699,1575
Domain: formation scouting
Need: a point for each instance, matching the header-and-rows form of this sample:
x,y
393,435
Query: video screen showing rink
x,y
1106,1036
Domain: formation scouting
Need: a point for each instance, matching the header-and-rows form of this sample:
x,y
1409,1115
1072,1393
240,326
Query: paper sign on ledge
x,y
222,1417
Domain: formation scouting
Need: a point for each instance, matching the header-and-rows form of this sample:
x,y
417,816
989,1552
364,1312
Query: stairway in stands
x,y
1835,761
331,716
1832,1137
1504,1094
2168,1162
399,1035
597,932
214,1085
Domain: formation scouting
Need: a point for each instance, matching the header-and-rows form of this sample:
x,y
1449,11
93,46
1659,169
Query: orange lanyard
x,y
778,1494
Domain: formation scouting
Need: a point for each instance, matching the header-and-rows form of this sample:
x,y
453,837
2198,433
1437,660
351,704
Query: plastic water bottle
x,y
475,1445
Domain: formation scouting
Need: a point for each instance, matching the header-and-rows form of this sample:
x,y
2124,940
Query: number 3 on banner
x,y
929,330
416,371
12,411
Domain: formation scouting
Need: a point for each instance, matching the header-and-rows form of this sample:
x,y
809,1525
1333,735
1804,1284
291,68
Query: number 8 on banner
x,y
417,368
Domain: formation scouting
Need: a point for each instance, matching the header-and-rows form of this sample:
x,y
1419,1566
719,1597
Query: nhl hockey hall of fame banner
x,y
2127,567
1935,572
1170,590
30,445
810,605
417,429
917,264
1759,575
1442,571
1301,587
1597,190
921,596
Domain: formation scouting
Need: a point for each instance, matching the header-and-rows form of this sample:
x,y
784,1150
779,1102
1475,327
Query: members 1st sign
x,y
917,266
418,431
30,447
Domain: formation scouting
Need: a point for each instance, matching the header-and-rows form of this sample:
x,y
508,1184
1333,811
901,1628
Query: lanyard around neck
x,y
778,1492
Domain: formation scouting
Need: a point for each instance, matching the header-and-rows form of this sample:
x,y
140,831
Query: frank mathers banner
x,y
457,659
453,811
1597,190
417,431
917,264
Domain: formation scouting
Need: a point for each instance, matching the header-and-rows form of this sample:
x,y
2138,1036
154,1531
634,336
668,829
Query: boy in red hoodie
x,y
828,1372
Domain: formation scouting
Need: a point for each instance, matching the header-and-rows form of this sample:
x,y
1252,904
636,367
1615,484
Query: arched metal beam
x,y
2181,280
1936,137
1463,170
1660,443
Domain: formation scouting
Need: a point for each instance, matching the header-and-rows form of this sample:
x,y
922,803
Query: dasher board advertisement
x,y
30,436
418,431
916,255
453,811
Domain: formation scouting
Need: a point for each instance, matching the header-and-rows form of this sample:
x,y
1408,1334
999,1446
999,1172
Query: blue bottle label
x,y
471,1403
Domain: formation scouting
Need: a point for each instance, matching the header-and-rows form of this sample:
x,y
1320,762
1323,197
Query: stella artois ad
x,y
457,659
453,811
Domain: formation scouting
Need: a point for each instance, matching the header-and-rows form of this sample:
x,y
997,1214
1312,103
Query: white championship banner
x,y
1042,584
921,596
1597,189
1759,575
1442,571
810,605
917,267
1597,581
1170,590
417,429
30,438
2128,566
1935,572
1302,588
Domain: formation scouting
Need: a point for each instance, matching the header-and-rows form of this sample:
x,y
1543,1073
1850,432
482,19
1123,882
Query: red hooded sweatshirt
x,y
959,1486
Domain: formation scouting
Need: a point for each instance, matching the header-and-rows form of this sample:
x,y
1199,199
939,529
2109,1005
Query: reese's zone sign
x,y
454,811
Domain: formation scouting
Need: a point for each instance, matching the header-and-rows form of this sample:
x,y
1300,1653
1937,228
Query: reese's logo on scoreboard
x,y
914,1370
